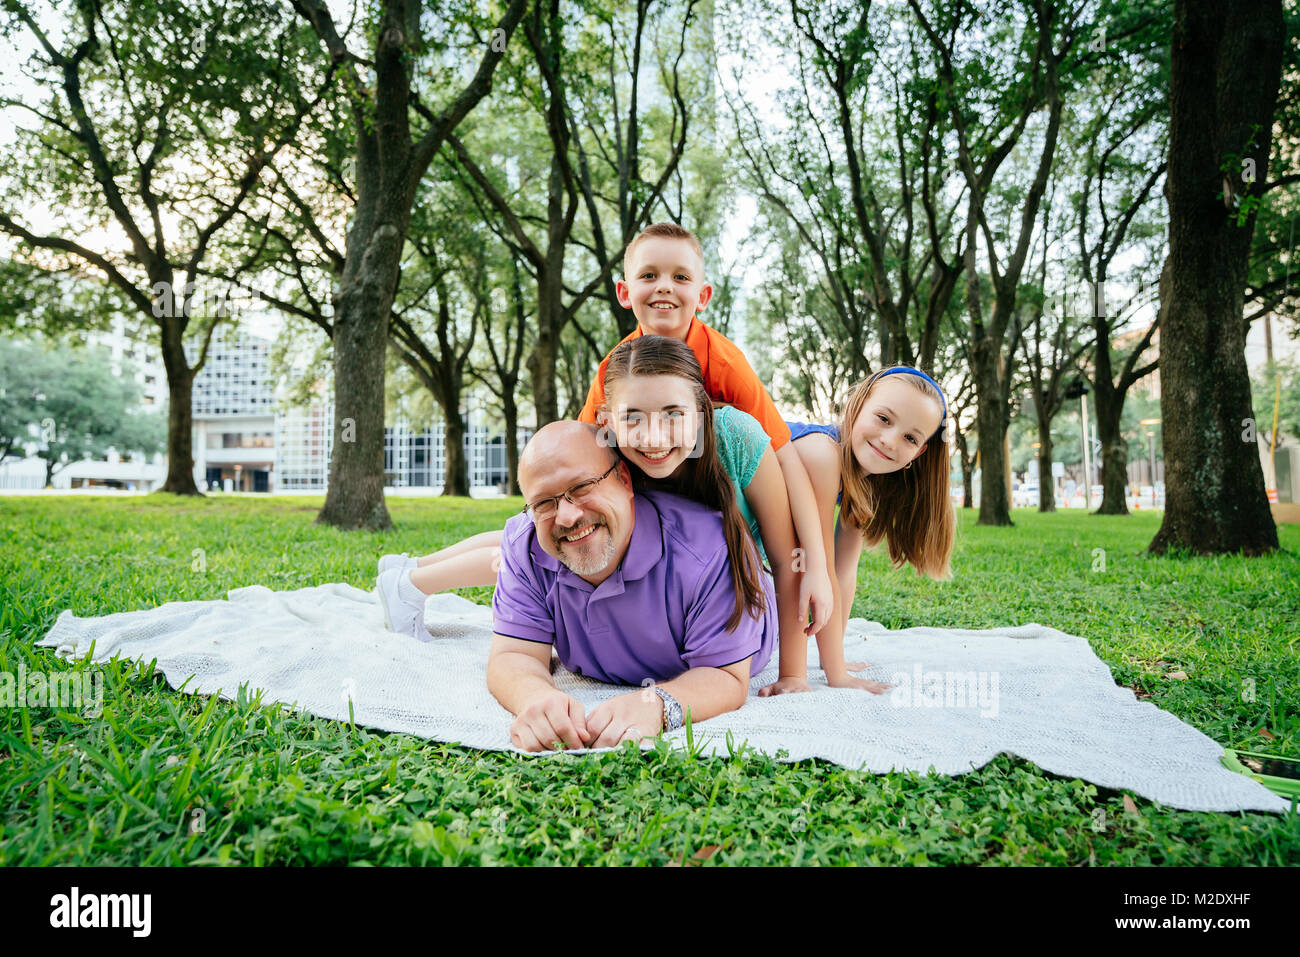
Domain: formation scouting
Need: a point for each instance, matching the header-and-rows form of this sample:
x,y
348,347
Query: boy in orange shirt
x,y
667,307
664,286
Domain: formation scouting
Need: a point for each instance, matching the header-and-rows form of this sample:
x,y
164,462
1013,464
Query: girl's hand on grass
x,y
848,681
784,686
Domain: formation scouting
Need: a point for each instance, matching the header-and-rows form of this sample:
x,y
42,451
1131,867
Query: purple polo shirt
x,y
663,611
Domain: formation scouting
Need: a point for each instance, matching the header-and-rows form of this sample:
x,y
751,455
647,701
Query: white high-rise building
x,y
243,444
304,441
234,418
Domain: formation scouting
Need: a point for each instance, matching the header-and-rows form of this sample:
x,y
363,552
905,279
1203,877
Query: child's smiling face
x,y
656,420
665,287
893,427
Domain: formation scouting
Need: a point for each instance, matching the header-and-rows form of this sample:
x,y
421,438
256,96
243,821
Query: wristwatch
x,y
672,710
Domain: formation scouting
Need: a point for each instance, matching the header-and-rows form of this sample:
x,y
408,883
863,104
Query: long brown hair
x,y
702,477
910,507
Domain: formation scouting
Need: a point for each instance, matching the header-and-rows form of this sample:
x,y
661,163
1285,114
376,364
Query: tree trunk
x,y
1046,484
541,372
967,471
389,168
1225,71
888,347
550,309
512,443
1108,403
355,497
1114,455
456,474
545,355
180,412
995,508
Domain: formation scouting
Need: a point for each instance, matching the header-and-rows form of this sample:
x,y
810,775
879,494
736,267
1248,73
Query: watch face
x,y
674,716
672,710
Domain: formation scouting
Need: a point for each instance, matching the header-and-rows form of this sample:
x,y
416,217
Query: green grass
x,y
278,788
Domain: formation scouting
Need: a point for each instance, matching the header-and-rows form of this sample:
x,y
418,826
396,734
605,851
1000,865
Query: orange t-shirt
x,y
728,378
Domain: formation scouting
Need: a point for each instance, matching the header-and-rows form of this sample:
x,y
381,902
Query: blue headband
x,y
917,372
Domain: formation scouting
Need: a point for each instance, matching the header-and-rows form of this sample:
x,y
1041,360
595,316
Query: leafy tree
x,y
603,153
19,407
392,156
153,123
859,167
506,341
299,245
76,405
999,77
1119,135
435,322
1052,346
1273,282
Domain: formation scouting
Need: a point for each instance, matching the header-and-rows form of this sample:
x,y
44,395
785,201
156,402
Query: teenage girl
x,y
656,406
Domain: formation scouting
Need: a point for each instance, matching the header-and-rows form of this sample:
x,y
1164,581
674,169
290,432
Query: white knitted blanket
x,y
960,697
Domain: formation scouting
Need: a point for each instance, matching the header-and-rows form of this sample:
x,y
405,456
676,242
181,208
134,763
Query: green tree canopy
x,y
70,405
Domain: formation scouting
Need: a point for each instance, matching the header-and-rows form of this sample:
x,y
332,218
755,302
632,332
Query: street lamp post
x,y
1151,444
1078,389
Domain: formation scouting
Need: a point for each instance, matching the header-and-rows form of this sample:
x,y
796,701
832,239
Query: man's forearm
x,y
707,692
516,679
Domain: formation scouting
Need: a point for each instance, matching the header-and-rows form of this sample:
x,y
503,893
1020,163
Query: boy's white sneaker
x,y
403,604
403,561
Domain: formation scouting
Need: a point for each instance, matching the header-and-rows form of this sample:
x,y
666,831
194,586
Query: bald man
x,y
629,588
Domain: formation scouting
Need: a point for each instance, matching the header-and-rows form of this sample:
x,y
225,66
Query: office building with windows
x,y
247,442
234,417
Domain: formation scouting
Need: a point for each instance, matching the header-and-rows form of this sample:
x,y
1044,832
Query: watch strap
x,y
673,718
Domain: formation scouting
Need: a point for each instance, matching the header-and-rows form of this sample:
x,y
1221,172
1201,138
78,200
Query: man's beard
x,y
594,563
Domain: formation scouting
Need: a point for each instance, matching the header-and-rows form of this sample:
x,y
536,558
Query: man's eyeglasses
x,y
577,494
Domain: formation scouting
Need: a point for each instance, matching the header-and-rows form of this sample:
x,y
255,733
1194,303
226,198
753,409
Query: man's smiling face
x,y
665,286
589,538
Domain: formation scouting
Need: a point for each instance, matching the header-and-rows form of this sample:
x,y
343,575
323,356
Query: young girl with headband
x,y
887,467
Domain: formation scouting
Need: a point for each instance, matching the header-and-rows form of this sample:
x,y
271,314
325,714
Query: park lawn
x,y
274,787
